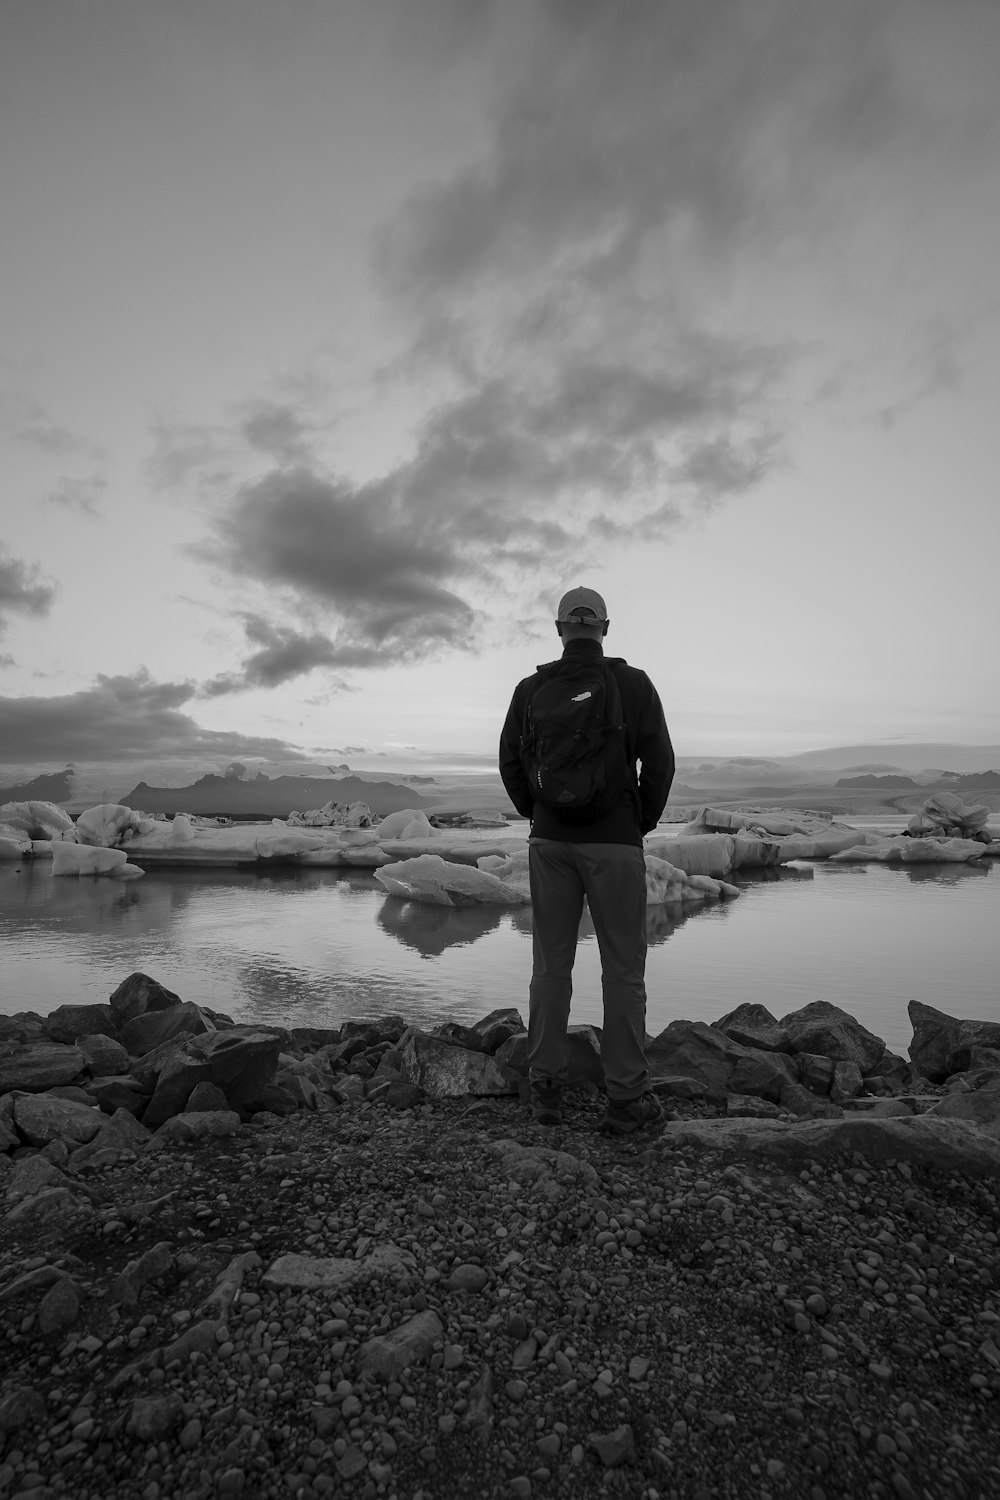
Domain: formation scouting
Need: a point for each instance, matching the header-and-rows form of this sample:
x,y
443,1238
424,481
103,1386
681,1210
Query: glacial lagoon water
x,y
315,947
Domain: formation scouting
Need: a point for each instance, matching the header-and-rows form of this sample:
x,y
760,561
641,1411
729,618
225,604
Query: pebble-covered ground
x,y
596,1315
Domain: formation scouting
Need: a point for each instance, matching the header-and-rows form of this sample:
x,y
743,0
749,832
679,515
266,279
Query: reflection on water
x,y
316,946
432,929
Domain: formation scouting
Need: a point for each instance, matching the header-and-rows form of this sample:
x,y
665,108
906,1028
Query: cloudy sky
x,y
339,339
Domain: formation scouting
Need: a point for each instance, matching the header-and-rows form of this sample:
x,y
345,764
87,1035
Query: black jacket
x,y
647,741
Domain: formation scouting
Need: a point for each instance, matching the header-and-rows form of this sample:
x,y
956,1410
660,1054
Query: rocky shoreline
x,y
249,1261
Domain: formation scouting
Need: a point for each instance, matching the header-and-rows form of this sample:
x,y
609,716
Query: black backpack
x,y
573,740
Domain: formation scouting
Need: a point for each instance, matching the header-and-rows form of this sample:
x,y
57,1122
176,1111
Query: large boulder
x,y
155,1027
23,1026
940,1144
42,1118
721,1066
445,1071
67,1022
34,1067
498,1027
138,994
179,1077
979,1106
754,1026
943,1045
825,1028
241,1061
103,1055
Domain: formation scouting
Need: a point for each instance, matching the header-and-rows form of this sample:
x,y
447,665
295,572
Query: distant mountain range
x,y
227,796
828,778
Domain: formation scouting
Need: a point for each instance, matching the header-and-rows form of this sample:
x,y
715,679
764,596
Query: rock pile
x,y
90,1081
394,1284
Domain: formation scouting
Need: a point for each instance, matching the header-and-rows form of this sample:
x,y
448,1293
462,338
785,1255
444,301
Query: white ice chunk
x,y
39,820
14,848
696,854
666,883
85,859
407,823
431,878
111,824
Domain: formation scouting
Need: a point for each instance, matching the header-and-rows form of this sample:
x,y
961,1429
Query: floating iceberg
x,y
428,877
504,880
91,859
35,820
111,824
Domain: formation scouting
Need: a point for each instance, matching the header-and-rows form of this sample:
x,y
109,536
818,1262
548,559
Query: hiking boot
x,y
625,1115
546,1101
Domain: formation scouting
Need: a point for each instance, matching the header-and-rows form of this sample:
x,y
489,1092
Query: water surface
x,y
300,947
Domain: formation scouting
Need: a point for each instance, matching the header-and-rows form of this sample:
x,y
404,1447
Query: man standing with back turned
x,y
568,751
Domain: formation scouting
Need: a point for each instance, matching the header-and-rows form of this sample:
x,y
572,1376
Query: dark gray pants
x,y
613,879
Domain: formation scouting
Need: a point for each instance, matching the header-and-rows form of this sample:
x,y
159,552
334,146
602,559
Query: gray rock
x,y
980,1106
178,1078
207,1125
721,1066
825,1028
121,1132
41,1118
370,1033
512,1055
747,1106
152,1265
336,1273
387,1356
68,1022
498,1027
31,1173
138,994
242,1060
19,1408
754,1026
206,1096
613,1448
847,1082
807,1105
943,1045
23,1026
60,1307
538,1164
815,1072
120,1092
104,1056
942,1145
155,1027
51,1203
444,1071
34,1067
155,1417
467,1277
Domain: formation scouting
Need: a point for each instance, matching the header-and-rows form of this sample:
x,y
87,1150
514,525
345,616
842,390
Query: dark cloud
x,y
130,717
277,431
283,654
22,590
627,120
570,298
358,553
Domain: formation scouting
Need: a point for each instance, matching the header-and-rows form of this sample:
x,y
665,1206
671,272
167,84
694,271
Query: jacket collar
x,y
583,648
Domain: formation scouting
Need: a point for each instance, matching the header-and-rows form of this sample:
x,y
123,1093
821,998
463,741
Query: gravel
x,y
568,1314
